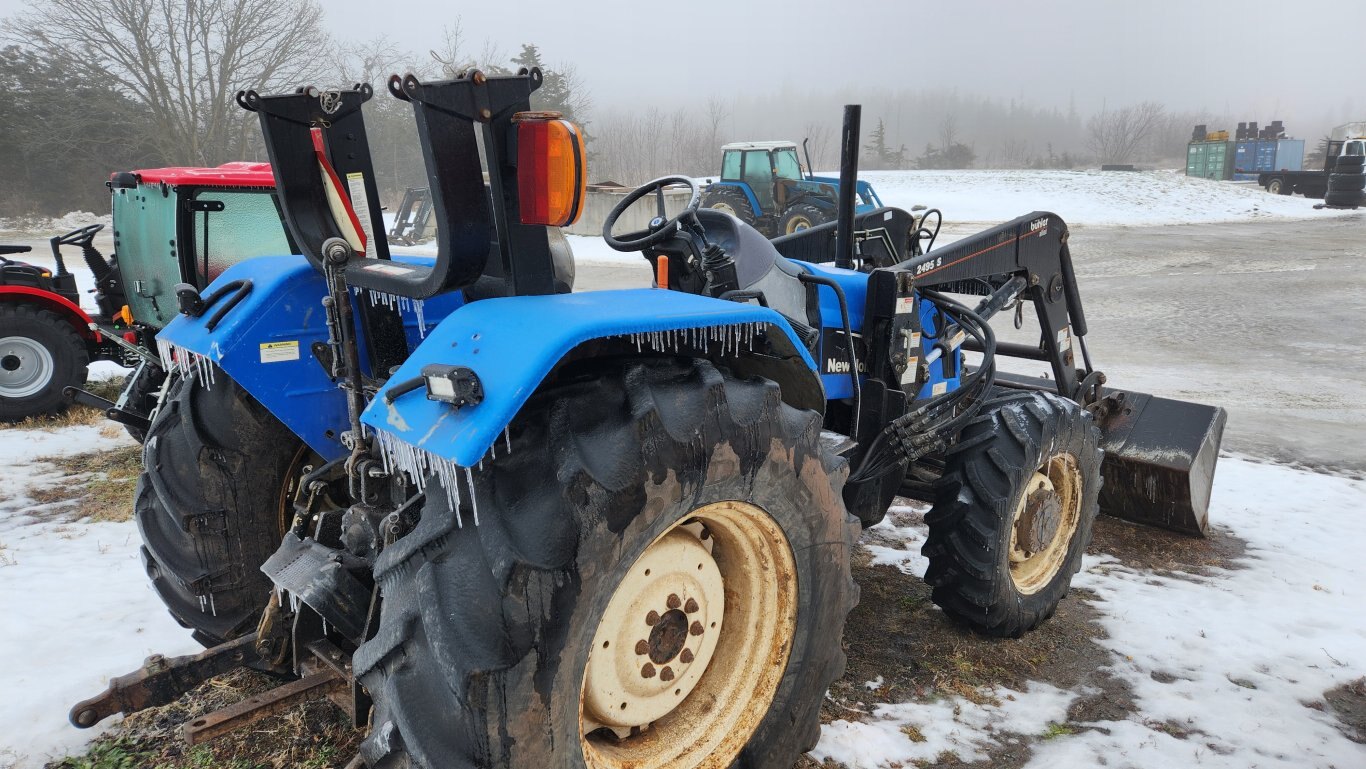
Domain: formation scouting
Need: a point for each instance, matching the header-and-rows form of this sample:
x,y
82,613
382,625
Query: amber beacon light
x,y
550,169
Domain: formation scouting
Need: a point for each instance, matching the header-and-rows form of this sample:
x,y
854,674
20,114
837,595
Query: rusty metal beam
x,y
263,705
161,681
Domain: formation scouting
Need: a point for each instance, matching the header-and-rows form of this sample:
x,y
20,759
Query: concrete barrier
x,y
601,200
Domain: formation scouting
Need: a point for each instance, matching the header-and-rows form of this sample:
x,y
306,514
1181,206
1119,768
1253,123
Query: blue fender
x,y
513,343
265,344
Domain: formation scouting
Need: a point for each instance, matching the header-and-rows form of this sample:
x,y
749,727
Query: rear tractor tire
x,y
40,355
1013,512
658,580
801,216
213,503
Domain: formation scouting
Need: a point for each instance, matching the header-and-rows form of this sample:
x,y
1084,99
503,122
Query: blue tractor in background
x,y
522,526
765,186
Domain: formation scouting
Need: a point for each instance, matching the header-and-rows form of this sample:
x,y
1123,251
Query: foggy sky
x,y
1261,58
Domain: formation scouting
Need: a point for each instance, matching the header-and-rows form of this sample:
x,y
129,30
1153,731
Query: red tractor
x,y
47,341
172,227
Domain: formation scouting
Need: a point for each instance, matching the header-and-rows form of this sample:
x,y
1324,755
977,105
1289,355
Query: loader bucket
x,y
1159,459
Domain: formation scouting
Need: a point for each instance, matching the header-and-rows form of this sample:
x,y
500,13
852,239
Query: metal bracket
x,y
161,681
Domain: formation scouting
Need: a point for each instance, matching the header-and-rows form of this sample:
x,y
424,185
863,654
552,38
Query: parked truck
x,y
1345,141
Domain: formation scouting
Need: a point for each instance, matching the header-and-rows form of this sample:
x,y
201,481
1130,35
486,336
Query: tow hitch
x,y
325,671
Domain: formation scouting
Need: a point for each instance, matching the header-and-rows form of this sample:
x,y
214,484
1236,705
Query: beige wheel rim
x,y
723,207
797,224
1045,522
693,644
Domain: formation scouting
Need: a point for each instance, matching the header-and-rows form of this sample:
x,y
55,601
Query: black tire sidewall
x,y
210,500
1346,182
980,528
70,358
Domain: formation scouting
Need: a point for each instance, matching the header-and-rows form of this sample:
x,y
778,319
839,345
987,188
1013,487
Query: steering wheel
x,y
76,236
661,227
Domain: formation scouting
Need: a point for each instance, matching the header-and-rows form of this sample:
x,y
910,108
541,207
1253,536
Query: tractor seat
x,y
759,266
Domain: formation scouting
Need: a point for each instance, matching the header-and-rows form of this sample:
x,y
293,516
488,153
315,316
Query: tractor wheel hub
x,y
1040,520
658,634
691,648
1045,520
26,367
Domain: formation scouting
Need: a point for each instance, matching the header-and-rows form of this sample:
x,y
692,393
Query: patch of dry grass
x,y
312,735
96,484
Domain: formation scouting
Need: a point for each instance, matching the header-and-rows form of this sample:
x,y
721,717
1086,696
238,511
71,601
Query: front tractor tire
x,y
213,502
1013,512
658,580
40,355
729,200
801,216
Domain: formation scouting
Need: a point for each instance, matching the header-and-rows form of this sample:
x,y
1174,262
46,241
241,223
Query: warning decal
x,y
355,183
277,352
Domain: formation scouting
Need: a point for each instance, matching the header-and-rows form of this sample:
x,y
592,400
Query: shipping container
x,y
1210,160
1195,159
1266,155
1245,156
1289,155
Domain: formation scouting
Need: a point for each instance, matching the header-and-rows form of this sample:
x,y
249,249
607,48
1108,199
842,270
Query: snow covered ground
x,y
76,603
56,225
1239,659
1087,197
972,199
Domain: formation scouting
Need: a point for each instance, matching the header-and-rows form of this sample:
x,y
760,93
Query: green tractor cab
x,y
176,227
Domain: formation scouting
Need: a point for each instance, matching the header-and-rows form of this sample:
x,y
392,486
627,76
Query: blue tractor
x,y
505,524
763,184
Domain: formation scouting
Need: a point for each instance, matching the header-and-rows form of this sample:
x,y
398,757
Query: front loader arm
x,y
1033,247
1159,453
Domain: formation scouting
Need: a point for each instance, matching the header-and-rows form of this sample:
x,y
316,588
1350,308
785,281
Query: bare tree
x,y
817,141
1117,136
1170,136
184,59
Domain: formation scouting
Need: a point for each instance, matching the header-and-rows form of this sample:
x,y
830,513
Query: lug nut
x,y
642,647
649,672
652,618
667,674
685,656
695,629
674,601
691,606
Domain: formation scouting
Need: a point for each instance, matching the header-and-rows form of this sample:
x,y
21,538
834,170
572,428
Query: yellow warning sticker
x,y
277,352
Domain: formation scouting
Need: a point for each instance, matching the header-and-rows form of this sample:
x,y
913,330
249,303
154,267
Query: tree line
x,y
97,87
